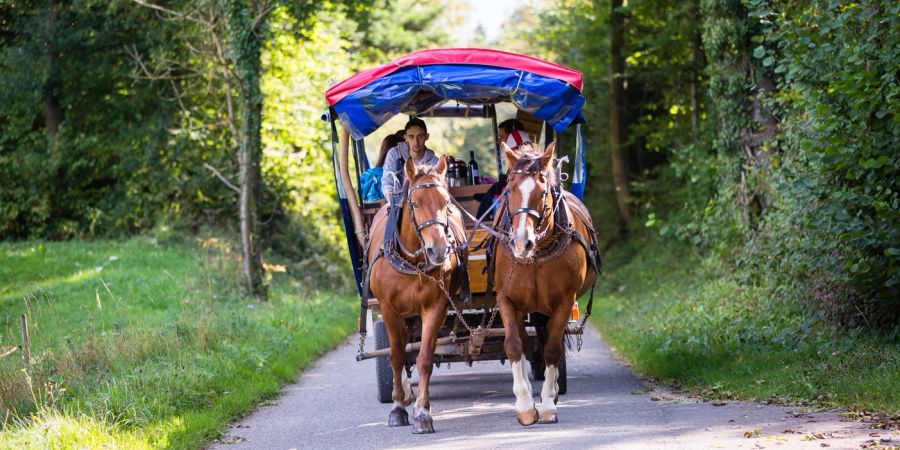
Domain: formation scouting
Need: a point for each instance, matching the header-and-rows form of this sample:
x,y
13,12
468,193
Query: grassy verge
x,y
686,321
137,345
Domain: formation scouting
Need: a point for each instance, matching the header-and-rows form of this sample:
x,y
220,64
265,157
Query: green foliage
x,y
140,345
790,176
835,225
151,103
567,33
93,174
395,27
681,317
297,158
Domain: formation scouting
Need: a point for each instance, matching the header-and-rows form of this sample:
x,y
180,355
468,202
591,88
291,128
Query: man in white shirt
x,y
413,147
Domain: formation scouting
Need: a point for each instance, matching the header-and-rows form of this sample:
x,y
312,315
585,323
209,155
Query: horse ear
x,y
548,154
410,169
440,169
511,157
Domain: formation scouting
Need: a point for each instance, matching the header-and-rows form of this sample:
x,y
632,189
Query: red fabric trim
x,y
479,56
515,138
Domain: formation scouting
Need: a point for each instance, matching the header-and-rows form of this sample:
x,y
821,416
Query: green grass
x,y
686,321
139,345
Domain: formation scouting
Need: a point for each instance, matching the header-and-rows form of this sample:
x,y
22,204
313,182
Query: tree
x,y
245,22
618,127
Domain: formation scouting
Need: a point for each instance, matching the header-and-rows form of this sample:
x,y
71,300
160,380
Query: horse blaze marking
x,y
525,189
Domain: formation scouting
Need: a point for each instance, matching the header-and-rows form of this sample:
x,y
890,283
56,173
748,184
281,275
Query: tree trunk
x,y
698,61
53,112
617,116
246,43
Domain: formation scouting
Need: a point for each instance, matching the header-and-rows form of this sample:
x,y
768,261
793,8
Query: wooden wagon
x,y
447,84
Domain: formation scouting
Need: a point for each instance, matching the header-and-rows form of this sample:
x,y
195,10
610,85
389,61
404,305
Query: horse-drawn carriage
x,y
454,83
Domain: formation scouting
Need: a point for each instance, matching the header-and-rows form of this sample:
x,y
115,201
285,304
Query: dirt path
x,y
334,406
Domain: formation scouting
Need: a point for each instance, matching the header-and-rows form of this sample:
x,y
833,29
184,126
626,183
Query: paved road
x,y
334,406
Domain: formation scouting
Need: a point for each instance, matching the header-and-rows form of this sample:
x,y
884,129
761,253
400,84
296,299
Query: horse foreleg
x,y
431,324
526,414
552,354
402,393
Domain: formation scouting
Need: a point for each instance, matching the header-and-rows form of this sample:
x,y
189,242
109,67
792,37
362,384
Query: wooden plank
x,y
461,192
26,341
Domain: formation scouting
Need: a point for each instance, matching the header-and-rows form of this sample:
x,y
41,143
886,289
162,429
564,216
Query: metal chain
x,y
362,342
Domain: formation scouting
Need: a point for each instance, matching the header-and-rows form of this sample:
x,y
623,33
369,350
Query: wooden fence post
x,y
26,343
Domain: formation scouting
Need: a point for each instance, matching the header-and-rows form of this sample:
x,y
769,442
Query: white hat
x,y
517,138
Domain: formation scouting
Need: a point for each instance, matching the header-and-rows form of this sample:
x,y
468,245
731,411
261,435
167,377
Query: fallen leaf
x,y
719,403
792,431
750,434
654,399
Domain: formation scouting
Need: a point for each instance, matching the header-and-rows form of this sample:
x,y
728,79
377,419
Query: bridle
x,y
537,215
436,221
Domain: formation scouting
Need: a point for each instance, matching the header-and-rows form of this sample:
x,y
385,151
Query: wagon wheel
x,y
383,376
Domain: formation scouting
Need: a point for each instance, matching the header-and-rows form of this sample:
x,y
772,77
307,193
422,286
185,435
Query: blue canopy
x,y
367,100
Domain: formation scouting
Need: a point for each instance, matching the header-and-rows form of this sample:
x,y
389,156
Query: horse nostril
x,y
529,246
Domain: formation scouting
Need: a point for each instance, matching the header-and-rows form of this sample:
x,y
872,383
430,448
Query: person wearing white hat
x,y
506,127
517,138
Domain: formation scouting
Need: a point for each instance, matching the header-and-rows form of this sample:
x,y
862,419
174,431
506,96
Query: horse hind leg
x,y
552,354
402,393
526,413
431,324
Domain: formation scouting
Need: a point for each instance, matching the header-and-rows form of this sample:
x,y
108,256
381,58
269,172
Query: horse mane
x,y
530,160
424,169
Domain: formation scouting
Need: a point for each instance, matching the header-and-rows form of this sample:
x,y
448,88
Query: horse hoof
x,y
423,425
549,417
527,418
398,417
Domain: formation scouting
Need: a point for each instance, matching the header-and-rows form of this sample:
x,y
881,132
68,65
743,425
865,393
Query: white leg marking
x,y
525,189
522,387
549,390
407,390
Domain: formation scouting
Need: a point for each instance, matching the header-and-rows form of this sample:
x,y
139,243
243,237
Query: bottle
x,y
473,169
451,173
462,172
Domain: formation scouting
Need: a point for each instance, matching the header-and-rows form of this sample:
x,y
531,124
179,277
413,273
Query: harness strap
x,y
479,221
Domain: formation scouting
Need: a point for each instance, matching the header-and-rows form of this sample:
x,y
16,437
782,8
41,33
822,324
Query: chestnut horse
x,y
416,280
542,267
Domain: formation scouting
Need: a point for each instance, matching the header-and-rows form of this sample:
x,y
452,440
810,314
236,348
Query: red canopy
x,y
474,56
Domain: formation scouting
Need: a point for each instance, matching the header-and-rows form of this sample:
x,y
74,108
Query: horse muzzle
x,y
522,248
437,254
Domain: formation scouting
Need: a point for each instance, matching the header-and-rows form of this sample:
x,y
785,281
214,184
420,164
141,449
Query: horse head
x,y
528,203
429,208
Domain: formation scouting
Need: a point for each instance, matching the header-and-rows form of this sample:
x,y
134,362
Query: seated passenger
x,y
413,146
506,127
370,180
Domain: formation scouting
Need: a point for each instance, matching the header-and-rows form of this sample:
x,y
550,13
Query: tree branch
x,y
221,177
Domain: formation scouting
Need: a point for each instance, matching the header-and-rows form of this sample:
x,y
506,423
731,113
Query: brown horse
x,y
542,267
416,280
